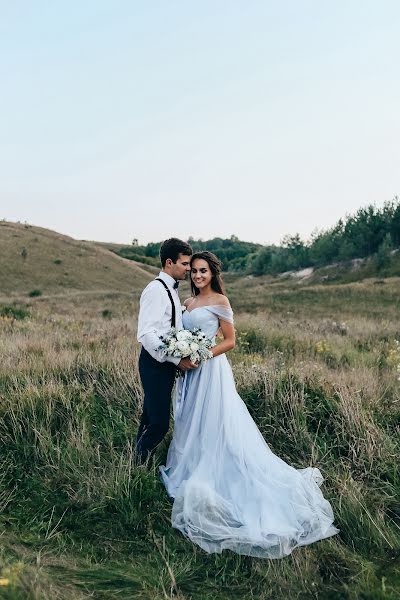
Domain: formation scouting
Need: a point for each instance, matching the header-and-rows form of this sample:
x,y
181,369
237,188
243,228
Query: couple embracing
x,y
229,490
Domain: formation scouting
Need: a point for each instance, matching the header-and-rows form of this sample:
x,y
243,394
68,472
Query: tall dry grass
x,y
79,520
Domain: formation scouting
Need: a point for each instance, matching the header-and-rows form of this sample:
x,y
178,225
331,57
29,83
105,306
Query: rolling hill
x,y
34,258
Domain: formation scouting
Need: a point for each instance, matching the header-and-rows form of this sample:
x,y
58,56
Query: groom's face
x,y
180,269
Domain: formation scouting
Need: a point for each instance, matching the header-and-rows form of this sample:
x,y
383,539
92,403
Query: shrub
x,y
14,312
34,293
106,313
57,261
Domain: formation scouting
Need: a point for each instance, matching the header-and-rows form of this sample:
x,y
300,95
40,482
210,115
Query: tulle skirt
x,y
230,491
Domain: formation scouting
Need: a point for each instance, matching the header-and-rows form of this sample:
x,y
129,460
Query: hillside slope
x,y
34,258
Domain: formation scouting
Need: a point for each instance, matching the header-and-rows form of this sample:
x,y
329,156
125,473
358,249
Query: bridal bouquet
x,y
183,343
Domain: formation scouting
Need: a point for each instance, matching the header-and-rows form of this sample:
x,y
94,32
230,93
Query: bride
x,y
229,489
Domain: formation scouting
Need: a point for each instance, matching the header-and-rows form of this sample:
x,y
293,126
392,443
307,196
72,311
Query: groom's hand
x,y
186,364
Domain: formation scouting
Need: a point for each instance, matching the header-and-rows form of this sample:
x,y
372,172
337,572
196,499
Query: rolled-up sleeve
x,y
153,306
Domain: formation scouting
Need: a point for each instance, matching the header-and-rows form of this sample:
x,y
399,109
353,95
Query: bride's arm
x,y
228,331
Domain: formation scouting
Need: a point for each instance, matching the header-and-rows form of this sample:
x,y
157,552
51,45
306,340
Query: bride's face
x,y
201,273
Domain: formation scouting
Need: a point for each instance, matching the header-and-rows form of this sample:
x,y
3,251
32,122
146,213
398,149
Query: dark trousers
x,y
157,381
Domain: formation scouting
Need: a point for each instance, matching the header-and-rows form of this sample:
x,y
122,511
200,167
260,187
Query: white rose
x,y
183,347
183,335
194,347
172,345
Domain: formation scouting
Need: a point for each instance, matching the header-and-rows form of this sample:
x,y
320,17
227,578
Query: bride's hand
x,y
186,364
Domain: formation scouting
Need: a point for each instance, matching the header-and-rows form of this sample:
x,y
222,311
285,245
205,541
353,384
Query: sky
x,y
122,119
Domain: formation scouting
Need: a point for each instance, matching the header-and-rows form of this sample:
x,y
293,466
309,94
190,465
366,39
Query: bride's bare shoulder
x,y
188,301
222,300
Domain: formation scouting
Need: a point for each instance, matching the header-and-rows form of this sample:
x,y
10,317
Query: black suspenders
x,y
173,321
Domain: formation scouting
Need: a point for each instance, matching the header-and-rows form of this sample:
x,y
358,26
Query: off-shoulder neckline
x,y
208,306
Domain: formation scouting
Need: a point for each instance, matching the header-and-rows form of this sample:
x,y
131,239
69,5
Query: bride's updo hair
x,y
215,267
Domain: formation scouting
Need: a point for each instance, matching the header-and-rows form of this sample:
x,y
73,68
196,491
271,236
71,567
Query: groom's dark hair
x,y
172,248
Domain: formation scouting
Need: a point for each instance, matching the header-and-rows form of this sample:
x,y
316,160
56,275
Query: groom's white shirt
x,y
155,315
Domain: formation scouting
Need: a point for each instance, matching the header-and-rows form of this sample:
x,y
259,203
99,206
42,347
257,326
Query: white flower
x,y
184,334
186,342
183,347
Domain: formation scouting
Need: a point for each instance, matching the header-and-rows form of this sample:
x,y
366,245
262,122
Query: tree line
x,y
370,232
233,252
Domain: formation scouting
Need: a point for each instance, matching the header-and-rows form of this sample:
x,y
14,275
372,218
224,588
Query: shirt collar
x,y
170,281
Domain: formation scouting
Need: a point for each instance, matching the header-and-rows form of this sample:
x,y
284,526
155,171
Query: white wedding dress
x,y
229,489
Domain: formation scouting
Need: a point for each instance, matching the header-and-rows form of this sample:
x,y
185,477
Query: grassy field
x,y
316,365
34,259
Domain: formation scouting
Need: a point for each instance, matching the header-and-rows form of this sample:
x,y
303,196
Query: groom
x,y
160,309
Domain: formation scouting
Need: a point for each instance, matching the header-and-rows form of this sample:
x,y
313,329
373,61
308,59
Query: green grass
x,y
79,520
13,312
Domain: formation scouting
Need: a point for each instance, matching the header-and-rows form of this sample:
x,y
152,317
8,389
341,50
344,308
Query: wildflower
x,y
322,347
